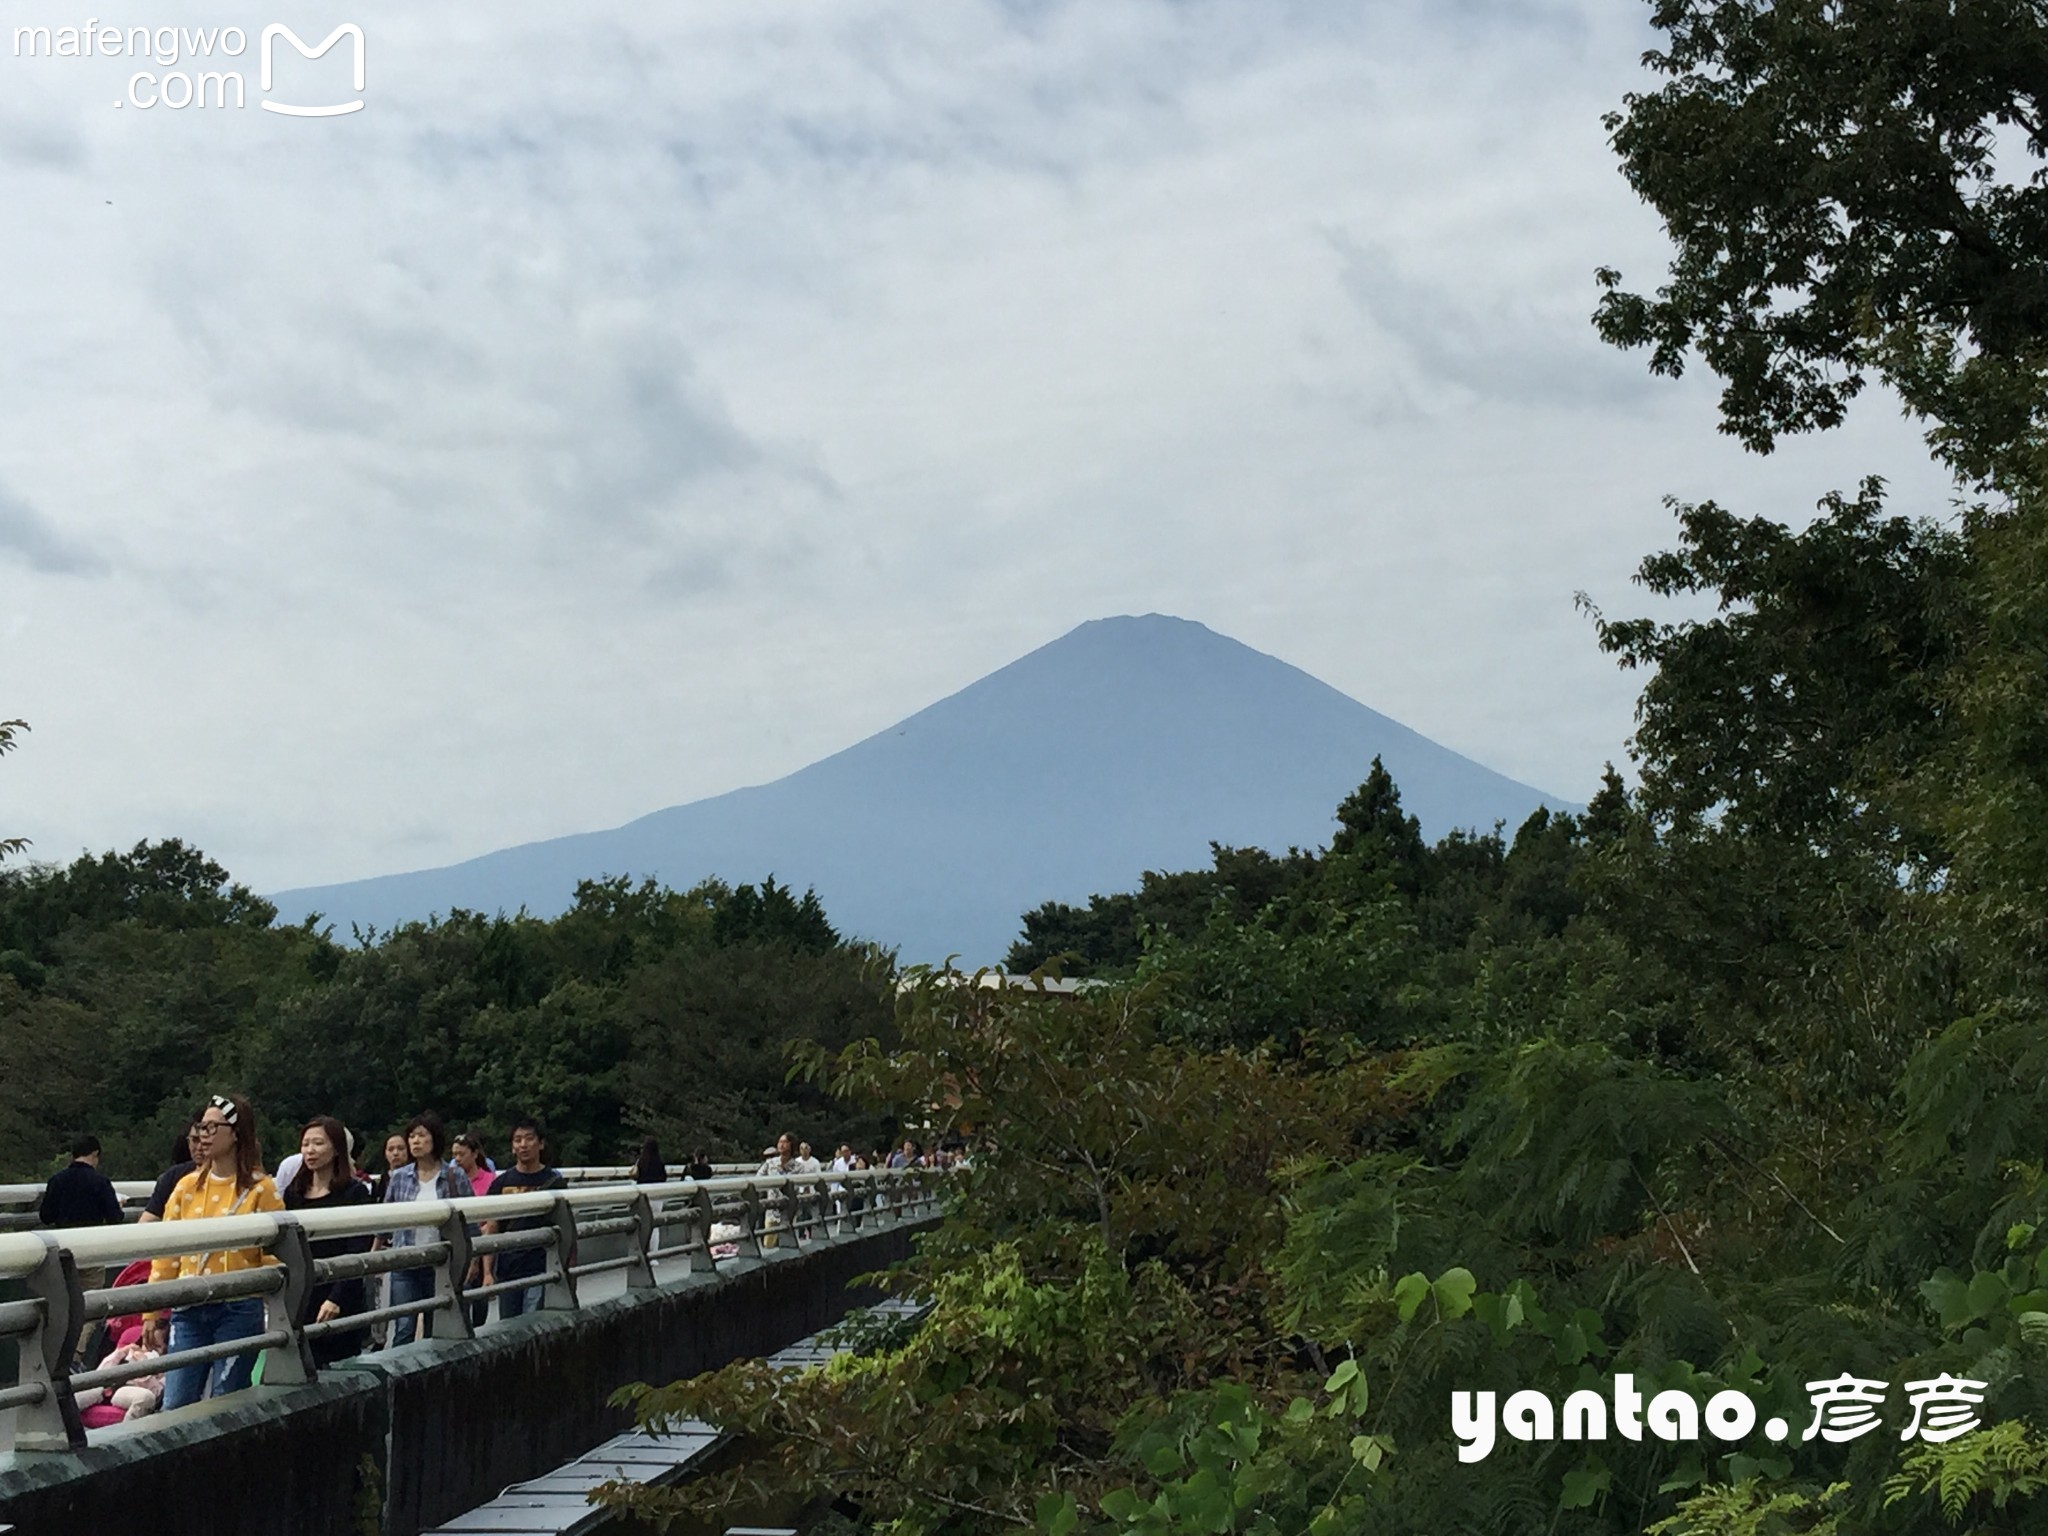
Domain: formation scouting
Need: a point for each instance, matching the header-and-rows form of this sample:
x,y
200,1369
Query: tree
x,y
1378,835
1839,179
772,914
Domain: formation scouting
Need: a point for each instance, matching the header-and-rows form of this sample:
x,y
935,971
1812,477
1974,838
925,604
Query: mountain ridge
x,y
1128,743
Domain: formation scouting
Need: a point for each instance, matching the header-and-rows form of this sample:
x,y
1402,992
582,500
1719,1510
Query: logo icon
x,y
278,29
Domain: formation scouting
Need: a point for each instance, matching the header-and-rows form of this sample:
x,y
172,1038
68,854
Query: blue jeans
x,y
515,1303
214,1323
408,1285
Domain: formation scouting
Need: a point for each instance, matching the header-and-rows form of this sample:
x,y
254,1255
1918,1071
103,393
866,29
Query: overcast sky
x,y
635,402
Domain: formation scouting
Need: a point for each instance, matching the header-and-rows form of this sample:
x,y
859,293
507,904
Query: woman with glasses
x,y
229,1181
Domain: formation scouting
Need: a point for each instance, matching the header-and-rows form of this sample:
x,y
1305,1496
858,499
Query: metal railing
x,y
18,1202
579,1233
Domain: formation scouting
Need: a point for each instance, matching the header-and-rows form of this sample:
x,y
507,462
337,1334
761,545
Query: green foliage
x,y
772,915
1291,972
162,885
1996,816
1108,935
1817,687
1990,1471
1753,1508
1380,837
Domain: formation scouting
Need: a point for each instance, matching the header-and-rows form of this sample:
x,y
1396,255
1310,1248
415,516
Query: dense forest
x,y
1735,1087
131,985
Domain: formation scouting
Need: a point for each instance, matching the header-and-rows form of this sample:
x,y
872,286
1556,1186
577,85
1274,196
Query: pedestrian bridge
x,y
640,1283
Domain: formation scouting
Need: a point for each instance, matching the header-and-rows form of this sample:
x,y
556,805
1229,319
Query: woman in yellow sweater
x,y
229,1181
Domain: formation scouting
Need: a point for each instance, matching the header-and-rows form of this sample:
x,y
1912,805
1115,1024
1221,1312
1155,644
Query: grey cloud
x,y
597,418
40,145
637,430
1496,349
30,537
684,579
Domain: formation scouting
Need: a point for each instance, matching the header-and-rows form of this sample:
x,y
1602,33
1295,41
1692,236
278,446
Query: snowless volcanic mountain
x,y
1125,745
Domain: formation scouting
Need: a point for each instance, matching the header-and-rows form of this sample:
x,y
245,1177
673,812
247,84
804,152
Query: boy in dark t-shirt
x,y
526,1176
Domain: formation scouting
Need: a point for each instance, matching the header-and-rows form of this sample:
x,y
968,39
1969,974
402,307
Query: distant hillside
x,y
1124,745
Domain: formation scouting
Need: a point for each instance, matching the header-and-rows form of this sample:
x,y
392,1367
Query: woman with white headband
x,y
229,1181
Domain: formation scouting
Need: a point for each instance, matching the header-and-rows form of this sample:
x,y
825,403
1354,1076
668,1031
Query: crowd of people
x,y
789,1158
216,1170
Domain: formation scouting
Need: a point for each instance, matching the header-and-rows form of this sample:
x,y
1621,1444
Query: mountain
x,y
1125,745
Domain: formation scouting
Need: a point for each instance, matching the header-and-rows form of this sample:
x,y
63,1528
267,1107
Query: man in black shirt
x,y
526,1175
79,1195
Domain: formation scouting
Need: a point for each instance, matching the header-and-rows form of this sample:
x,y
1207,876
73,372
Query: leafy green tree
x,y
165,885
1850,189
627,1013
1296,971
1819,688
165,968
1105,935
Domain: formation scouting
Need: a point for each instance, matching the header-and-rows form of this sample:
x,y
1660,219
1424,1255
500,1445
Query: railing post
x,y
449,1276
750,1236
560,1295
793,1214
702,1260
282,1309
45,1356
640,1273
